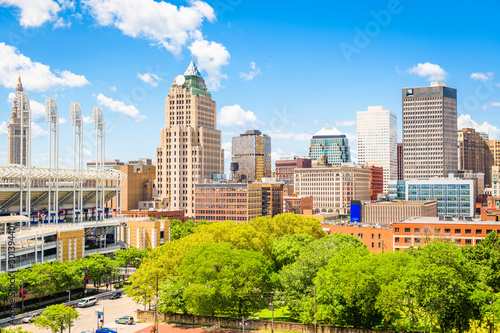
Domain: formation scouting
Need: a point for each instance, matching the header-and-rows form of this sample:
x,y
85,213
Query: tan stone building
x,y
494,146
474,154
144,234
190,149
333,188
137,187
388,212
239,202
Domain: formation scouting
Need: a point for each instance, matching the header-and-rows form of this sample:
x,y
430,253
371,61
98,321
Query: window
x,y
458,241
417,240
373,244
437,230
360,236
407,229
417,230
468,231
479,231
373,236
396,240
458,231
488,231
468,241
446,231
408,240
379,245
396,229
378,236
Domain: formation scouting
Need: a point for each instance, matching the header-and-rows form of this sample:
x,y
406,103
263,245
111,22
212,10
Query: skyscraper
x,y
190,149
429,131
377,141
400,161
329,143
474,155
14,130
252,151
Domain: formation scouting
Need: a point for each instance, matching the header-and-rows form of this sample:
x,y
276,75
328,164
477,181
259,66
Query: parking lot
x,y
113,309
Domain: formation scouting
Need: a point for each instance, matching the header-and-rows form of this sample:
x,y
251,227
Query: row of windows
x,y
430,230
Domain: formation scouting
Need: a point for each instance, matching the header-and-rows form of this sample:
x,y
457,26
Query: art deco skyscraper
x,y
430,131
190,150
252,151
377,141
14,130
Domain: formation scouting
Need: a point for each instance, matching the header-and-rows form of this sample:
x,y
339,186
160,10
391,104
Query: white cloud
x,y
113,88
3,128
87,119
33,13
34,75
289,135
160,22
431,72
466,121
492,104
234,115
149,78
87,152
10,98
62,120
211,56
37,110
254,71
120,107
482,76
227,150
344,123
37,131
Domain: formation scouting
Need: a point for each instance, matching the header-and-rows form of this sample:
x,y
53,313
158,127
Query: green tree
x,y
296,279
217,278
443,282
4,289
179,229
286,250
57,318
130,257
98,267
13,330
38,279
347,290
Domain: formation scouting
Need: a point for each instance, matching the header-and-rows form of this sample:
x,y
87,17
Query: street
x,y
113,309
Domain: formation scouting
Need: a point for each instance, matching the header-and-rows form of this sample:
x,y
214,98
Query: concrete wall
x,y
149,316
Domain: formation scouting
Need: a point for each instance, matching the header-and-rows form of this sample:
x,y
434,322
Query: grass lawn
x,y
280,314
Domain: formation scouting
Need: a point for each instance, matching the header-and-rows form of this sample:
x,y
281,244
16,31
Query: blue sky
x,y
286,68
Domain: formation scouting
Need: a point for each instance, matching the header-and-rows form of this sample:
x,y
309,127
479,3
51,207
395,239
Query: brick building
x,y
376,181
297,204
286,165
376,239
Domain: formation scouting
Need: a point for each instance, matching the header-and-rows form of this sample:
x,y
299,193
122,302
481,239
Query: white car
x,y
29,318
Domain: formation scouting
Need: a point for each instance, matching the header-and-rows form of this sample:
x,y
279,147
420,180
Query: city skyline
x,y
117,65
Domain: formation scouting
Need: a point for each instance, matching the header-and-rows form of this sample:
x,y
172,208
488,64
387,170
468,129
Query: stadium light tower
x,y
52,117
25,151
99,150
77,123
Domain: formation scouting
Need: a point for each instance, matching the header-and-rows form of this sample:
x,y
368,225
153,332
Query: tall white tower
x,y
378,140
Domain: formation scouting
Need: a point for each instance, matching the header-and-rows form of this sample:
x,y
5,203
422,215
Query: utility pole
x,y
271,304
315,322
156,311
22,296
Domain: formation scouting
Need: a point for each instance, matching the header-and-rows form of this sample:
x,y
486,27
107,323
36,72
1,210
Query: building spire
x,y
192,70
19,86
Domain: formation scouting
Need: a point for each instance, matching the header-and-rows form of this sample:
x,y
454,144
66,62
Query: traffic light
x,y
86,279
22,293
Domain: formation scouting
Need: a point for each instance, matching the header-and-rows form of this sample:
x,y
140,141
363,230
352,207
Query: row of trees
x,y
231,269
51,278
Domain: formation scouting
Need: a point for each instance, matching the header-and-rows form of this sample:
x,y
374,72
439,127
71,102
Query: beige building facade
x,y
190,150
387,212
333,188
14,131
474,154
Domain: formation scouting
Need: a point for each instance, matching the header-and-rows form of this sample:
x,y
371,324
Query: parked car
x,y
87,302
127,320
105,330
115,295
29,319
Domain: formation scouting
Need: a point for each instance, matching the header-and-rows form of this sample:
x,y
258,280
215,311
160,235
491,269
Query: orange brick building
x,y
492,210
377,181
418,231
376,239
296,204
157,214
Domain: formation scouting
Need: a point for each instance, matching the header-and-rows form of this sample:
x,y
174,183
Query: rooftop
x,y
447,220
328,131
192,70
